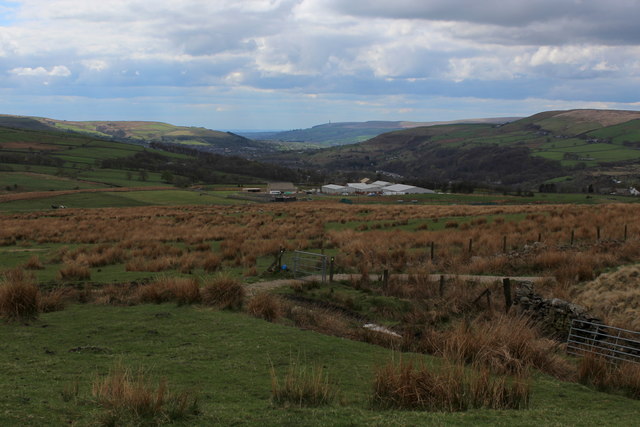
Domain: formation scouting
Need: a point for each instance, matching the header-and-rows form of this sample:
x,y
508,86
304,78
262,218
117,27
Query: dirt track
x,y
258,287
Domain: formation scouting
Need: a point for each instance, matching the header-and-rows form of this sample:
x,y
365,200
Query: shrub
x,y
167,289
301,386
597,372
19,296
74,272
34,263
131,399
223,291
505,344
211,263
450,388
54,300
265,306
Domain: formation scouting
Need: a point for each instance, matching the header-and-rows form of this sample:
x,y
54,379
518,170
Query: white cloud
x,y
585,51
55,71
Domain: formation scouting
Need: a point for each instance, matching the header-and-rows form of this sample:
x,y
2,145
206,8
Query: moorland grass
x,y
226,358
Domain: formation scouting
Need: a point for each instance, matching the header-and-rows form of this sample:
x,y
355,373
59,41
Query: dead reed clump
x,y
265,306
603,375
115,294
33,263
302,386
19,296
504,344
54,300
223,291
132,399
169,289
74,272
449,388
211,263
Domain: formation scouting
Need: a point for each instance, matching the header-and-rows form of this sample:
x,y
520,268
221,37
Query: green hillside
x,y
331,134
531,150
62,164
144,132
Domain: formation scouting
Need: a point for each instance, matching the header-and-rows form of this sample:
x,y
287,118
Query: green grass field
x,y
225,358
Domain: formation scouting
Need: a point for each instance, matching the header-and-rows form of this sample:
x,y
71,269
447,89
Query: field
x,y
183,293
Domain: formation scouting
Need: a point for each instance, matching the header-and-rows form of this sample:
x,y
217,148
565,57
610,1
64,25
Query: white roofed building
x,y
398,189
382,184
363,188
336,189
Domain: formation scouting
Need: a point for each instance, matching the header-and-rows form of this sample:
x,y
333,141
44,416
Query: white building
x,y
382,184
336,189
359,187
399,189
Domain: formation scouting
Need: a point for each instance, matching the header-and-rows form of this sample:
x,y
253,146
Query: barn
x,y
399,189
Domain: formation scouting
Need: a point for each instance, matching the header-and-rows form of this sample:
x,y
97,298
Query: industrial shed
x,y
336,189
399,189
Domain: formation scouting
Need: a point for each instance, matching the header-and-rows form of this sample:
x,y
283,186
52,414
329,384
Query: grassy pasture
x,y
29,181
226,357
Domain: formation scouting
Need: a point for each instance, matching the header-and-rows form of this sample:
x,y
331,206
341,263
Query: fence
x,y
310,264
613,343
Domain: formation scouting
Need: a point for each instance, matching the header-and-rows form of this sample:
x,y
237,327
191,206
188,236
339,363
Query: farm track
x,y
45,194
258,287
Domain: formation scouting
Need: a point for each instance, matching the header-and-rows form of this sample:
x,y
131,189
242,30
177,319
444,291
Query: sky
x,y
288,64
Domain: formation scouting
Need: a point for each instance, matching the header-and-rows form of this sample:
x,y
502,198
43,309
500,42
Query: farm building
x,y
359,187
382,184
282,187
398,189
336,189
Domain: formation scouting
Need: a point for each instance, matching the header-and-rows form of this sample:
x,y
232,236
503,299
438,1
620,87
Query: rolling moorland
x,y
152,298
144,133
572,148
330,134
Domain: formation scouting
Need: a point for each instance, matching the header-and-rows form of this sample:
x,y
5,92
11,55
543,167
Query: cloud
x,y
55,71
363,52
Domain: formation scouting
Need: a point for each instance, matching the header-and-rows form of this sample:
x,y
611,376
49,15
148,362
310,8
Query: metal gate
x,y
310,264
602,340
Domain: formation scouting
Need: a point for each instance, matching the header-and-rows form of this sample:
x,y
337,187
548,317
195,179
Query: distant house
x,y
281,188
399,189
365,181
336,189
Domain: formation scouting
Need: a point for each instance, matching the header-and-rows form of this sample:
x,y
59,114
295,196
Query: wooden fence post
x,y
572,236
504,244
385,279
432,250
506,285
280,258
625,232
598,234
539,237
331,262
470,245
441,285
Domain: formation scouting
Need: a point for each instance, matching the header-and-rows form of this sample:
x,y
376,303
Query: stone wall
x,y
553,316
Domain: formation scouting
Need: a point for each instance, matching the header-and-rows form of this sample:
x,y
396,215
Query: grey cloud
x,y
533,21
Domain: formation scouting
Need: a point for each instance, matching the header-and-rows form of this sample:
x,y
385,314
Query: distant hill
x,y
142,132
576,145
41,160
331,134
